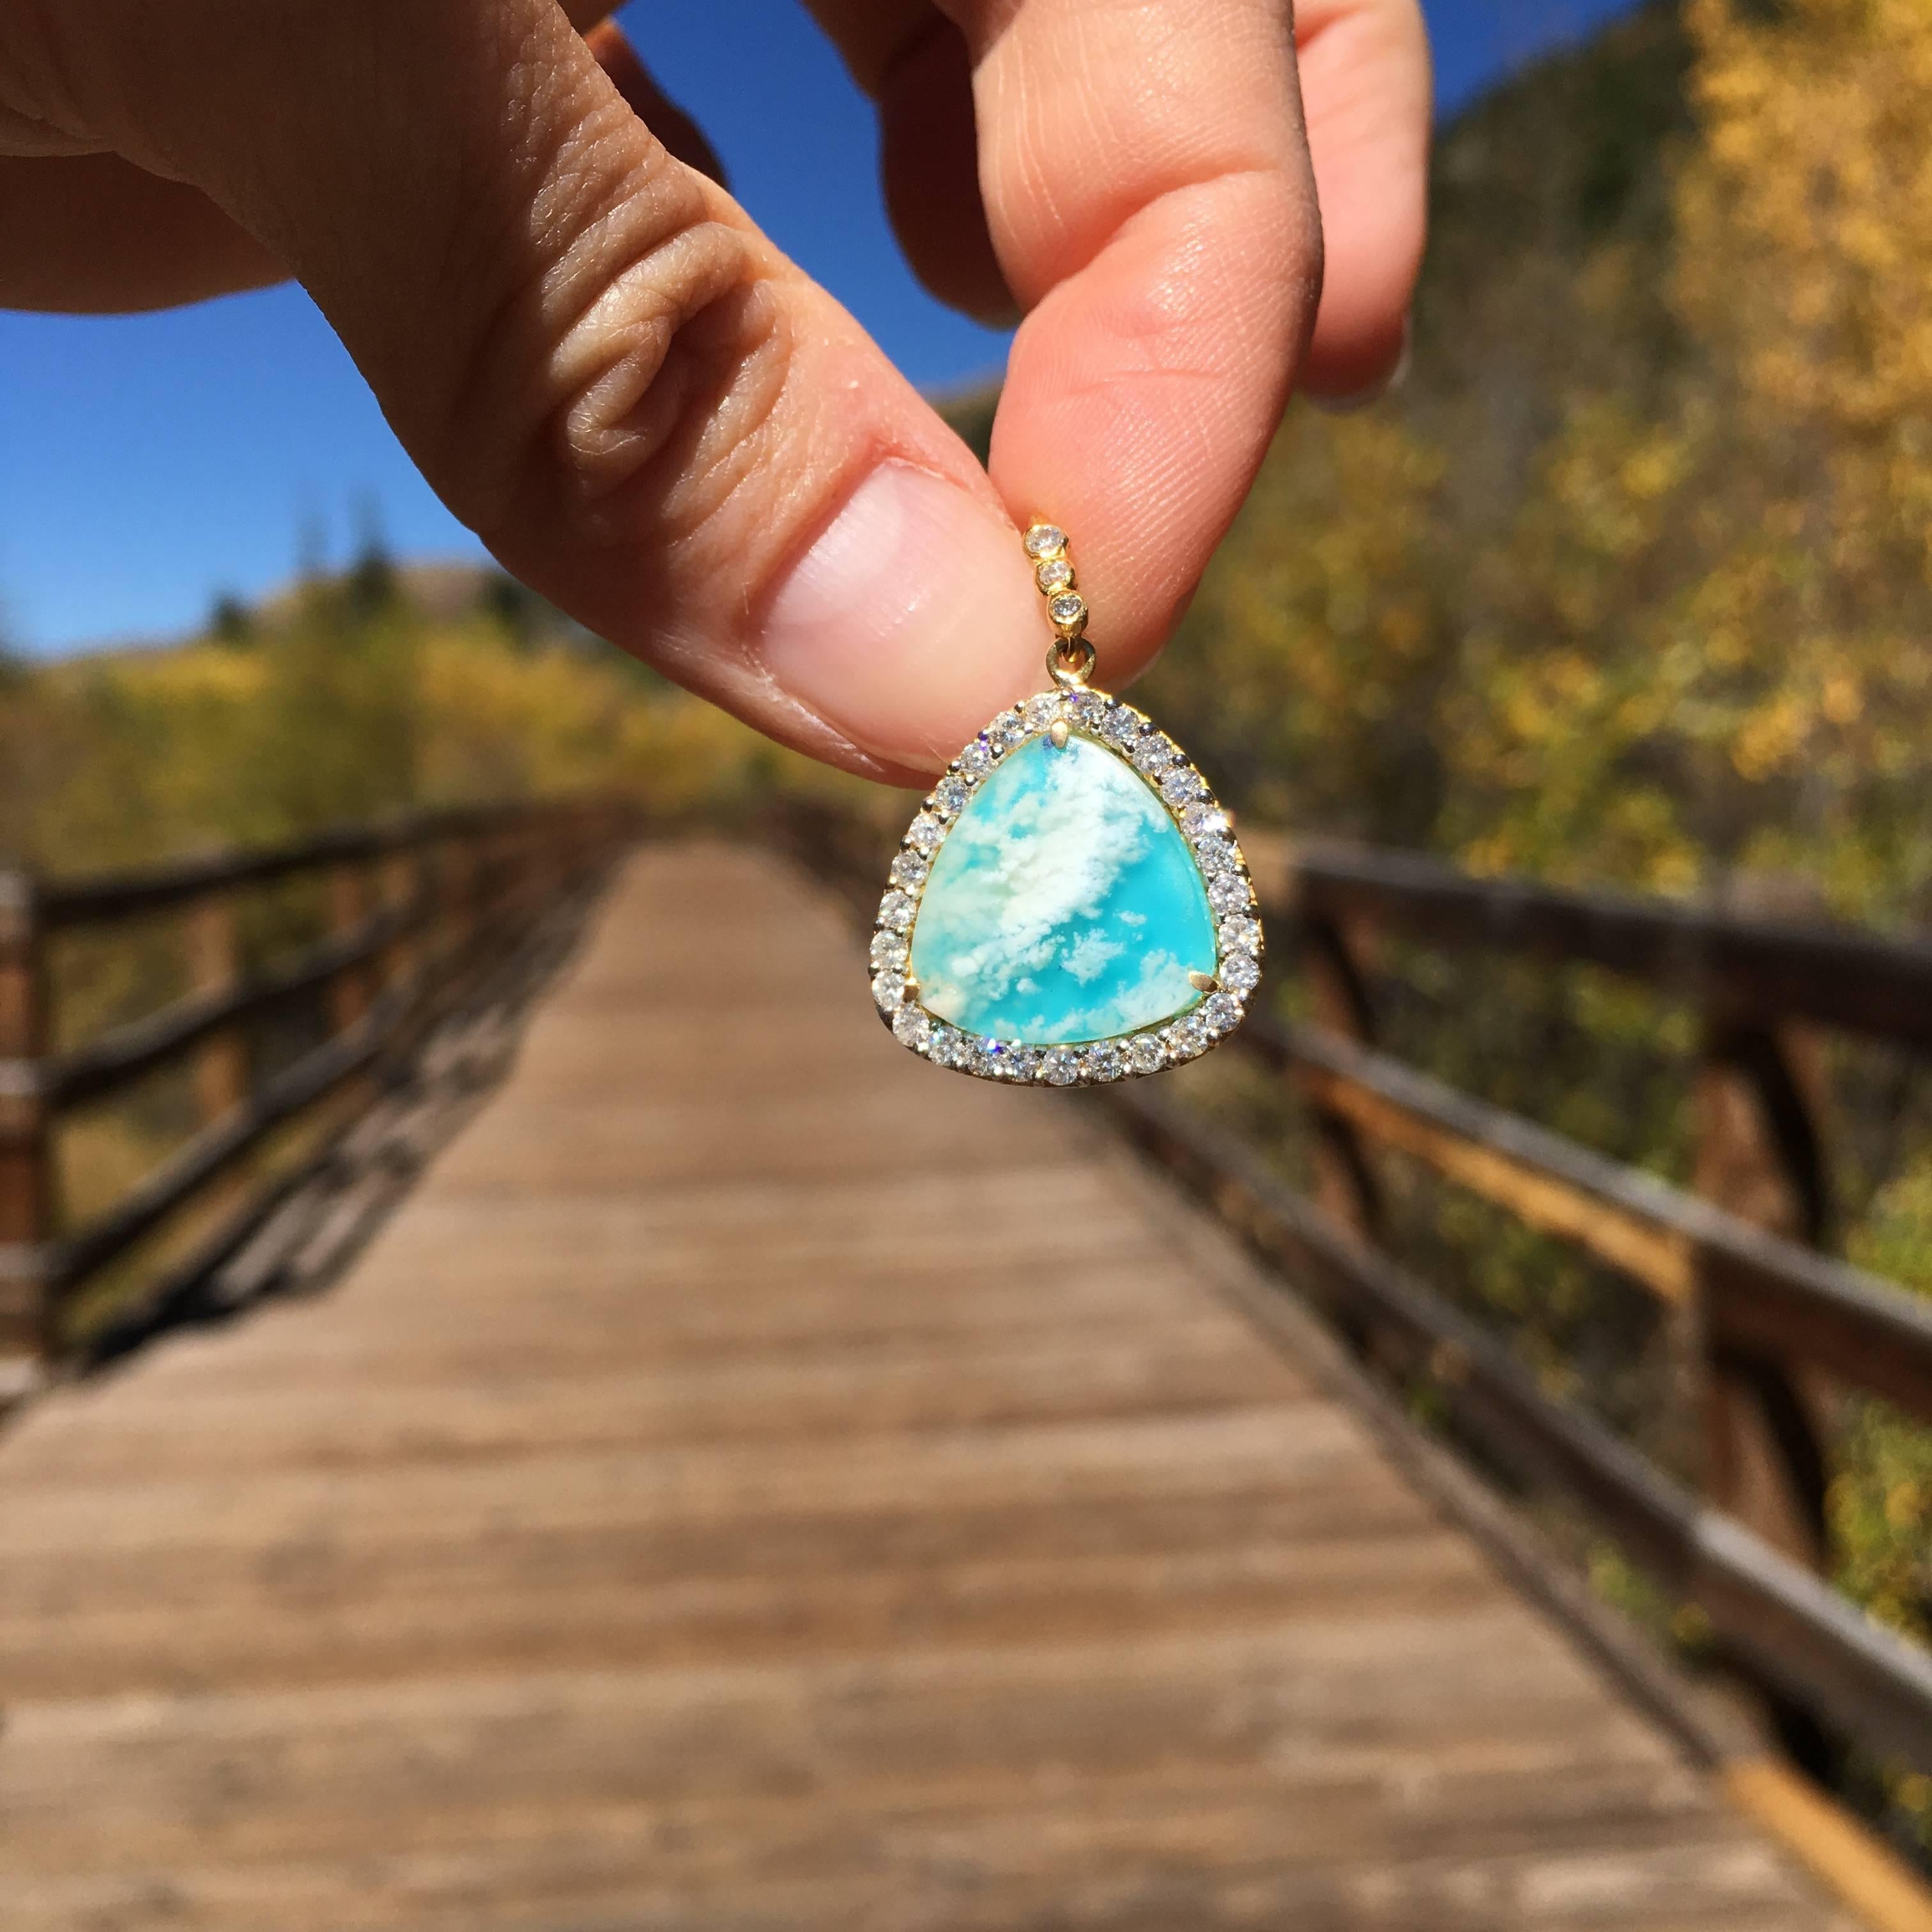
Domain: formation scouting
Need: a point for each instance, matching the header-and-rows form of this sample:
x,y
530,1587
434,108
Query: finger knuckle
x,y
635,354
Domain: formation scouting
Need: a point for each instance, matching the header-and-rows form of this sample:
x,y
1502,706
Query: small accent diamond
x,y
1239,973
911,1027
1178,784
989,1058
889,952
947,1046
1006,730
1221,1012
1204,821
888,989
909,870
1145,1053
1154,753
1229,893
977,759
1023,1062
1106,1061
926,833
1188,1039
1240,935
950,796
896,911
1040,712
1056,573
1069,607
1087,710
1061,1066
1043,540
1215,855
1123,725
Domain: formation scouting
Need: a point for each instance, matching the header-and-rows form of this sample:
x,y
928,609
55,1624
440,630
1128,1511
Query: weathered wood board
x,y
759,1482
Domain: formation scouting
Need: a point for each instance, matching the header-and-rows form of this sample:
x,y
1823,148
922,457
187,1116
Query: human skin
x,y
651,415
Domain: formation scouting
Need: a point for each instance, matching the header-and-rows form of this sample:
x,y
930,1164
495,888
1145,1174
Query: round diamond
x,y
1022,1062
1145,1052
1204,821
977,759
1239,973
950,796
1005,731
926,833
1069,607
1220,1013
1043,540
1188,1039
896,911
1087,710
1041,712
1240,935
1229,893
1123,724
909,870
1106,1061
1153,753
1061,1066
1178,784
1215,855
1056,573
947,1046
888,989
911,1027
889,952
989,1058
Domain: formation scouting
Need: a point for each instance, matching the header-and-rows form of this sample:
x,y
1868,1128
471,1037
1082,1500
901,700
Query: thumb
x,y
642,409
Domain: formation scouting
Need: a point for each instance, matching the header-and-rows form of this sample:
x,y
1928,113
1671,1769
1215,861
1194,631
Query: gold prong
x,y
1202,983
911,988
1058,734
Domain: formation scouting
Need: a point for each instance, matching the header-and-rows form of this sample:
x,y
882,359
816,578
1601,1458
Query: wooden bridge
x,y
754,1481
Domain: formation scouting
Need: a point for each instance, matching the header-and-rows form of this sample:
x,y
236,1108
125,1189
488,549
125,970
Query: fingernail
x,y
1363,399
910,621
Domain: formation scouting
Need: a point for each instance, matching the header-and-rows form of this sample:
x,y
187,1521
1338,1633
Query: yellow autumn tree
x,y
1707,648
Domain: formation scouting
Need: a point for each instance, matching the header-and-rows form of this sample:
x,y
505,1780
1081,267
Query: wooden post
x,y
402,878
1758,1155
348,907
26,1141
1765,1431
1345,1186
1345,1179
402,874
221,1081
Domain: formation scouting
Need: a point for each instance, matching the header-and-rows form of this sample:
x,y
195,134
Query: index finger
x,y
1145,171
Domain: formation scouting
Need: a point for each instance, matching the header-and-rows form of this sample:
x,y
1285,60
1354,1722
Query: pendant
x,y
1069,906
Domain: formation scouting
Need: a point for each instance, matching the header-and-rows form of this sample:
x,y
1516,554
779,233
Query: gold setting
x,y
1067,610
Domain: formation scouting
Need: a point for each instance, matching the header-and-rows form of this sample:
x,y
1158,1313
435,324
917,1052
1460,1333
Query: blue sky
x,y
148,463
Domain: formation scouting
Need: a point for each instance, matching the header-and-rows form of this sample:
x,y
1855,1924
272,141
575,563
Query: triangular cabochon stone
x,y
1064,905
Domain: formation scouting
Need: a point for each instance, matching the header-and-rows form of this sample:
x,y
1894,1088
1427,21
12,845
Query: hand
x,y
649,414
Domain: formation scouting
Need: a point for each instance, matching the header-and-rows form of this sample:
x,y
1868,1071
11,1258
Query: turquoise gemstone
x,y
1063,906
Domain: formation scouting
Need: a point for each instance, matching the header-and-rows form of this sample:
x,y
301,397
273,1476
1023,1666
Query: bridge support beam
x,y
1765,1417
26,1146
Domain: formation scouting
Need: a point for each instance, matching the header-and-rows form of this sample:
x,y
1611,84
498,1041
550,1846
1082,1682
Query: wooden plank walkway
x,y
759,1482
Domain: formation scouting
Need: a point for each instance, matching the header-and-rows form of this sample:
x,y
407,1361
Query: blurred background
x,y
1630,583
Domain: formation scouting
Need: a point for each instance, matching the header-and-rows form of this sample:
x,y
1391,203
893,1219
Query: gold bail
x,y
1070,661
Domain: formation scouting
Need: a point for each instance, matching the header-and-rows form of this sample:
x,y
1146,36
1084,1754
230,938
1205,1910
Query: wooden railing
x,y
416,914
1768,1330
